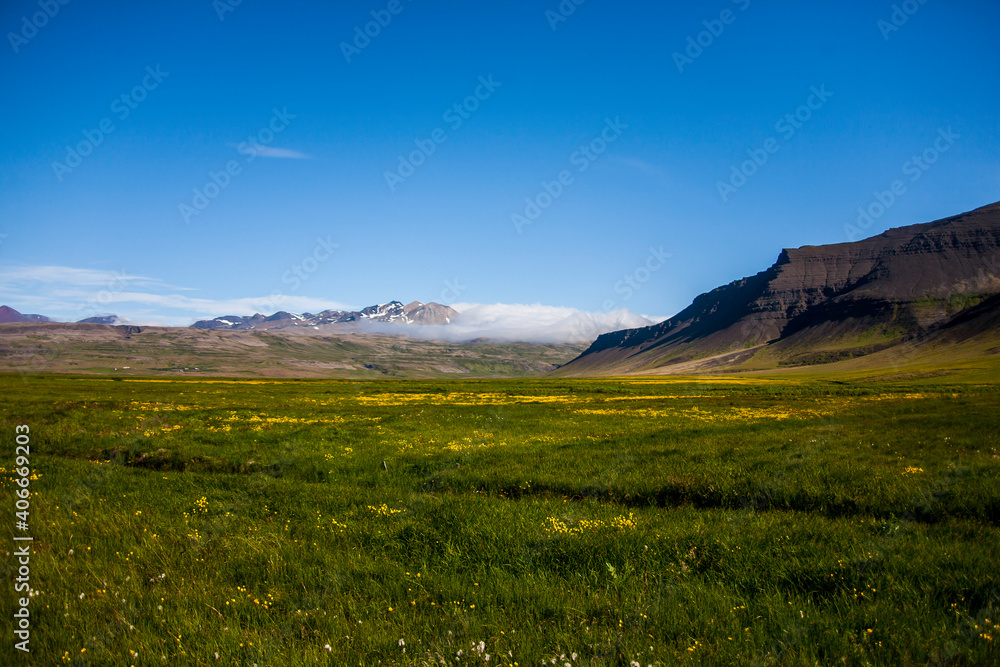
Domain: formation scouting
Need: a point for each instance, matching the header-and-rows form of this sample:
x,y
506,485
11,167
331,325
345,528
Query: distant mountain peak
x,y
429,313
100,319
8,314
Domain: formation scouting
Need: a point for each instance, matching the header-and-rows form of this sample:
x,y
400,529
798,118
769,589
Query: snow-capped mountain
x,y
415,312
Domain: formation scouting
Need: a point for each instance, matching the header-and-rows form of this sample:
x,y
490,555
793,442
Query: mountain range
x,y
394,312
819,304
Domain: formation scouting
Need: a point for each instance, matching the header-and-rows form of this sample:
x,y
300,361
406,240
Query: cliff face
x,y
898,284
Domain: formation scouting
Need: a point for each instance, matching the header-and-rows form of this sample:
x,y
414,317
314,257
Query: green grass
x,y
664,521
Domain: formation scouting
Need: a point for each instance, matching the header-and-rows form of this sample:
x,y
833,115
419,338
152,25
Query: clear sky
x,y
174,161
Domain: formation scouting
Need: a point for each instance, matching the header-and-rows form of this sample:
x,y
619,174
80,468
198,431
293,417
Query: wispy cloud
x,y
257,150
71,294
11,277
271,151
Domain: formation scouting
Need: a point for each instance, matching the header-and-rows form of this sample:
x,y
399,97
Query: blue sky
x,y
306,218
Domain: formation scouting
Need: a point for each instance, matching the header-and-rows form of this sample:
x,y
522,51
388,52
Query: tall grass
x,y
591,522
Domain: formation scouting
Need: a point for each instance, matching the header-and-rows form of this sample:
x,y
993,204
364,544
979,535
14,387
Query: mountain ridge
x,y
888,288
393,312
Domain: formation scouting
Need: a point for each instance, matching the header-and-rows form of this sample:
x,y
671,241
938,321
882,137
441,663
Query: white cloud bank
x,y
521,323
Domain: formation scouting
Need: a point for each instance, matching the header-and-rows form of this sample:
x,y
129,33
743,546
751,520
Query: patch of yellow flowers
x,y
458,398
156,407
555,526
384,510
477,440
166,429
697,414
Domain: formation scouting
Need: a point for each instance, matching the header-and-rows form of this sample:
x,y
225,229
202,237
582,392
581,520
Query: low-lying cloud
x,y
519,323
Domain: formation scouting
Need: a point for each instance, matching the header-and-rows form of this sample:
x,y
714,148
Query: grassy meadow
x,y
649,521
